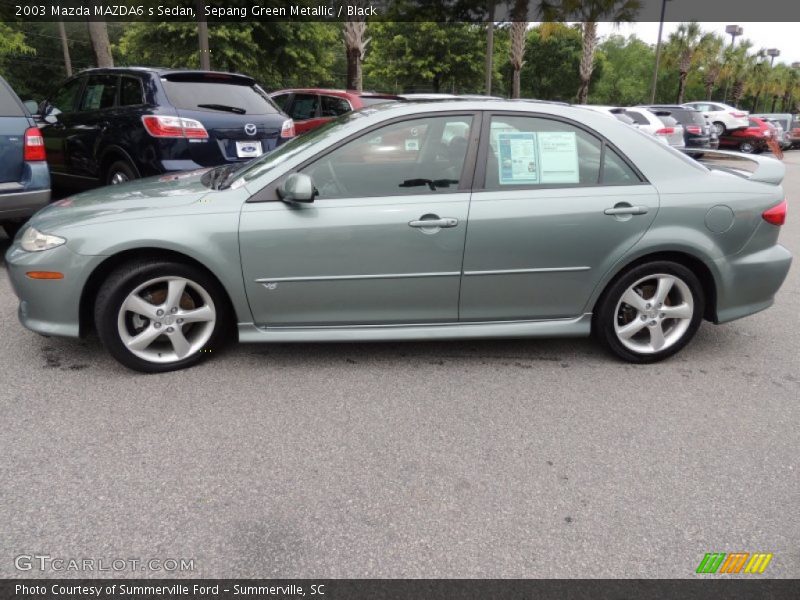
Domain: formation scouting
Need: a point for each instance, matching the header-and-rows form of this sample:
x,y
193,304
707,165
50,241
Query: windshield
x,y
281,154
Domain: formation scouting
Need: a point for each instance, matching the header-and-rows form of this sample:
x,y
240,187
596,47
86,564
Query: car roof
x,y
333,92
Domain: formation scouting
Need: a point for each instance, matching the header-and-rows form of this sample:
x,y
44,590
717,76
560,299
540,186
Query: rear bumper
x,y
749,282
20,205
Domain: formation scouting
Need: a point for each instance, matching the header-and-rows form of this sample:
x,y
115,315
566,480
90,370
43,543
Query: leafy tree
x,y
426,56
12,41
627,66
710,61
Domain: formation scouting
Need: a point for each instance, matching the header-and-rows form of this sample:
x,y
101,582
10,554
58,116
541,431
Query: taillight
x,y
33,145
776,215
738,115
174,127
287,130
665,131
694,129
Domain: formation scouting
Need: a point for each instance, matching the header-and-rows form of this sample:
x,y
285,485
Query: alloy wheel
x,y
166,319
118,177
654,313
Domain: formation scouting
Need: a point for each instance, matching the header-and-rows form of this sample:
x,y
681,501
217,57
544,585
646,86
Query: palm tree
x,y
738,65
518,33
710,61
589,12
791,84
685,43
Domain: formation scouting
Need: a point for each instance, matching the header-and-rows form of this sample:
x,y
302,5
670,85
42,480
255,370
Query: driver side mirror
x,y
297,188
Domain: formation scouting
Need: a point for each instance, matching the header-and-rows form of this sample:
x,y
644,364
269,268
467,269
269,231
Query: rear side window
x,y
533,151
218,97
333,106
100,93
304,107
66,97
637,118
130,92
9,106
616,171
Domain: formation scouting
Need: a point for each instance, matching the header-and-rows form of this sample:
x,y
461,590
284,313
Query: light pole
x,y
772,53
658,52
734,31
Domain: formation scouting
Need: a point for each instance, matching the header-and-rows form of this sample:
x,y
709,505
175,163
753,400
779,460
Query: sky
x,y
782,36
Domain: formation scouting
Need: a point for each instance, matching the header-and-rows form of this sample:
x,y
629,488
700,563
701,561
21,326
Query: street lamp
x,y
658,52
772,53
734,31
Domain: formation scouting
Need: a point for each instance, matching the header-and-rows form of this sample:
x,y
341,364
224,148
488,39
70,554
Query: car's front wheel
x,y
155,316
650,312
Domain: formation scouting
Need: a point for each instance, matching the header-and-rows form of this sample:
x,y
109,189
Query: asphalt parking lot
x,y
538,458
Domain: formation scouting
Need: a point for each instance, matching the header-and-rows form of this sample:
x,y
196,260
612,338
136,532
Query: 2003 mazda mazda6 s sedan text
x,y
460,219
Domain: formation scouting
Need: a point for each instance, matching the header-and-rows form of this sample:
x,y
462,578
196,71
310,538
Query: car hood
x,y
124,200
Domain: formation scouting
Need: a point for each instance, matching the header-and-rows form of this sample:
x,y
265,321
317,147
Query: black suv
x,y
697,132
106,126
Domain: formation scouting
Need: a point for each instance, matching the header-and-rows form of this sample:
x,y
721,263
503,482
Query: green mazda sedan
x,y
446,220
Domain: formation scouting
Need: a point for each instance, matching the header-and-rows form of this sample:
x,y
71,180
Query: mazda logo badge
x,y
250,129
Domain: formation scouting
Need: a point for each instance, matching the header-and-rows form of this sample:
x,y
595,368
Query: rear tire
x,y
650,312
747,148
120,171
720,127
156,316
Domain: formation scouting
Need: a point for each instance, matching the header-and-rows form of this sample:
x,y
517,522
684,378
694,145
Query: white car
x,y
659,124
722,116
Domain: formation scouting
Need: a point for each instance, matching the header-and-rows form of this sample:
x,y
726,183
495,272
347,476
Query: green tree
x,y
426,56
681,51
710,61
627,66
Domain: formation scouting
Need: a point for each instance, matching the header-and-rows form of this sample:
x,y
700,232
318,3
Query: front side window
x,y
100,93
534,151
420,156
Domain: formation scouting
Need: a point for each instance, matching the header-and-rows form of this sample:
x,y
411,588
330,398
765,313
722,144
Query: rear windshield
x,y
218,97
688,117
9,105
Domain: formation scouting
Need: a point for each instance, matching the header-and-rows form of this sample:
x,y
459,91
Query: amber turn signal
x,y
45,275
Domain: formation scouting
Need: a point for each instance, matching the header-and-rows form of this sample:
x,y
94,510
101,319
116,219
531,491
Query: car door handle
x,y
626,210
443,223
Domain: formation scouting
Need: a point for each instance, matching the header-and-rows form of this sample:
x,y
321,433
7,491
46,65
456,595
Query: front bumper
x,y
20,205
50,307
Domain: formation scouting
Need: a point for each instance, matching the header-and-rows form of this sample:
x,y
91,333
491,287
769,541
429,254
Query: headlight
x,y
36,241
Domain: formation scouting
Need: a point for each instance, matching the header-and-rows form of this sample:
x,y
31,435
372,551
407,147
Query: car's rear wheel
x,y
720,127
160,316
650,312
120,171
747,147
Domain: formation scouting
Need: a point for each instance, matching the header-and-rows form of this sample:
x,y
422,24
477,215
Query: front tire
x,y
650,312
155,316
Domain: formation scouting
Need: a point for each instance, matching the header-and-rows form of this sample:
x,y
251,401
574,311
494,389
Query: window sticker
x,y
412,144
519,163
558,152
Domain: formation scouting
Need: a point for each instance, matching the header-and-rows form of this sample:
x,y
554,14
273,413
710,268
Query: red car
x,y
311,107
750,140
